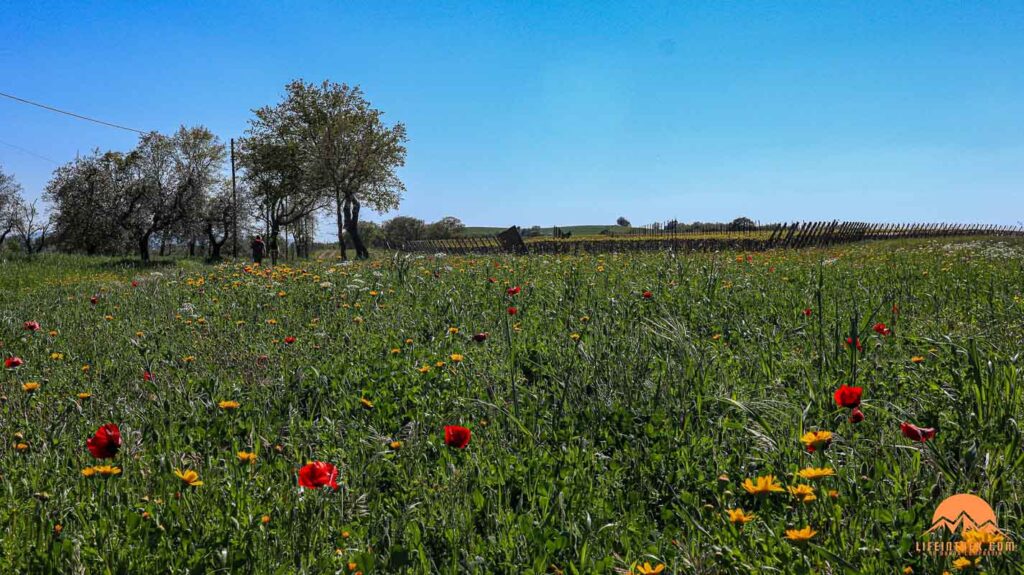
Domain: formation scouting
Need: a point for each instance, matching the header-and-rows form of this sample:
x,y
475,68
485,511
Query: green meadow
x,y
617,405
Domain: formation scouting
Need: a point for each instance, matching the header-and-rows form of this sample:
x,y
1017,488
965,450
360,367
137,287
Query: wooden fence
x,y
711,238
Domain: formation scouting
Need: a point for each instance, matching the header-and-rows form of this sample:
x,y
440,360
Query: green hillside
x,y
586,230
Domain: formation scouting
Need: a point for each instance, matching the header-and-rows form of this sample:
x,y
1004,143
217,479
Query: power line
x,y
29,152
72,114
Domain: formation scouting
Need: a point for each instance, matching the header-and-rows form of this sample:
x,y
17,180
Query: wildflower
x,y
374,293
408,341
917,359
105,443
316,474
13,362
514,290
880,329
139,334
915,433
102,471
396,445
453,330
31,326
856,416
86,368
833,494
84,395
584,319
265,519
962,563
147,376
424,369
646,569
21,447
366,403
188,358
189,477
54,333
816,472
647,294
512,310
271,321
481,337
289,340
246,457
94,300
30,386
282,293
456,357
135,283
800,535
395,351
574,336
807,312
228,405
108,317
439,364
739,516
855,342
815,440
762,485
847,396
456,436
803,492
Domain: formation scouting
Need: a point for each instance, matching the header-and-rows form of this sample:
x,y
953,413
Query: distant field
x,y
477,231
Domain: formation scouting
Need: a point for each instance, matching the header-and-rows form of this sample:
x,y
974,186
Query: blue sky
x,y
570,112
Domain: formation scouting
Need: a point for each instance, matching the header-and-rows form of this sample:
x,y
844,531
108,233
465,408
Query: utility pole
x,y
234,201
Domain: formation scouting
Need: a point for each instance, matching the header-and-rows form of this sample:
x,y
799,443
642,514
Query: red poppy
x,y
105,442
850,341
647,294
147,376
856,416
262,360
480,337
13,361
808,312
135,283
491,280
512,310
94,300
880,329
512,290
31,326
847,396
456,436
318,474
289,339
915,433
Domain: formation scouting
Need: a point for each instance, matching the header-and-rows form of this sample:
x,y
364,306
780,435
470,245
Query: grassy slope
x,y
475,231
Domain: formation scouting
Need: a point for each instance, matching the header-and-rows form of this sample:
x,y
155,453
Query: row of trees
x,y
321,149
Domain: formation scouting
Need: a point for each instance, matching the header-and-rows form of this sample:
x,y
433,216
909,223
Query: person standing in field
x,y
259,249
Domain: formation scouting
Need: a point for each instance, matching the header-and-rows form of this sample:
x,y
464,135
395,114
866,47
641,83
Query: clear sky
x,y
570,112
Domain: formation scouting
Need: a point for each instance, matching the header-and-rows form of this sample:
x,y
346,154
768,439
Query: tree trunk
x,y
3,236
192,247
274,231
163,245
351,213
144,247
341,226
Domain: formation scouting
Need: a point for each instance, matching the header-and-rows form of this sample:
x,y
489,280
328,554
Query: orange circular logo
x,y
964,512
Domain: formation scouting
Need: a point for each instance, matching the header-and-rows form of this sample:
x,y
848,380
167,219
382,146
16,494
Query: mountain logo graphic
x,y
964,512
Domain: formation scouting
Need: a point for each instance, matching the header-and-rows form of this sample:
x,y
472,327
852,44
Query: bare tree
x,y
31,226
